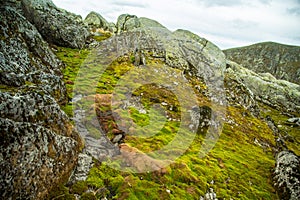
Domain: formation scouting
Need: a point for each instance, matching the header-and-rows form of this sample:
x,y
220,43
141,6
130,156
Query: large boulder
x,y
282,61
95,20
56,25
26,58
287,175
128,22
39,145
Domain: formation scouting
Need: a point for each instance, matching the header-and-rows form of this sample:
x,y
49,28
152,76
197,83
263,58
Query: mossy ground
x,y
290,132
236,167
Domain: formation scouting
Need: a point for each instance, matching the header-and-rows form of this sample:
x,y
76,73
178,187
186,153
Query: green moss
x,y
88,196
102,37
79,187
68,109
61,192
291,133
72,58
239,168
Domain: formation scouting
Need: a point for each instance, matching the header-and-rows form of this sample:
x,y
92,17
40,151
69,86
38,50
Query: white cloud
x,y
227,23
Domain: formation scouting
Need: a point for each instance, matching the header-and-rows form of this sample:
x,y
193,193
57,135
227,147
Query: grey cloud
x,y
243,24
231,3
137,4
222,2
294,11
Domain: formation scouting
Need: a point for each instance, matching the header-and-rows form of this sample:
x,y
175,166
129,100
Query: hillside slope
x,y
131,110
282,61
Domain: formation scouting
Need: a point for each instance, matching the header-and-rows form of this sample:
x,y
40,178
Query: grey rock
x,y
95,20
39,145
211,195
146,22
117,139
26,58
287,175
237,93
283,95
56,25
127,22
82,168
282,61
32,159
294,120
35,107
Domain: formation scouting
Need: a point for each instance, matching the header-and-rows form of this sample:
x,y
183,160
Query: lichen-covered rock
x,y
127,22
146,22
282,61
211,195
82,169
39,145
32,159
280,94
287,175
95,20
35,107
26,58
294,121
56,25
237,93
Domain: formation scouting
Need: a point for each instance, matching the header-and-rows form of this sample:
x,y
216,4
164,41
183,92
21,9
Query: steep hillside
x,y
131,110
282,61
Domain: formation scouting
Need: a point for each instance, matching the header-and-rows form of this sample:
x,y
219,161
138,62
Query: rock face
x,y
282,61
56,25
128,22
39,146
95,20
287,175
280,94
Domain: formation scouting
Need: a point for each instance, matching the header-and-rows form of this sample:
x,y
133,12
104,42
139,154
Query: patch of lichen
x,y
290,132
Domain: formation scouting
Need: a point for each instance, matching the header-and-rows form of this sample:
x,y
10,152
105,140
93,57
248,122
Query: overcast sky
x,y
228,23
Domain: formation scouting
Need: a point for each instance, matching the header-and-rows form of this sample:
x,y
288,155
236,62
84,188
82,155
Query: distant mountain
x,y
282,61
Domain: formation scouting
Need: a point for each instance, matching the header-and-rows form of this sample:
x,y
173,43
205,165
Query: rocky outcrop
x,y
287,175
39,145
33,159
282,61
280,94
56,25
128,22
95,20
238,94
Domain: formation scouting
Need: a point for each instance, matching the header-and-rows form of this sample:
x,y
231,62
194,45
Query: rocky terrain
x,y
131,110
282,61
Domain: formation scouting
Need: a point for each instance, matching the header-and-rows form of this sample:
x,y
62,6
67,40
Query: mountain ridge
x,y
280,60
